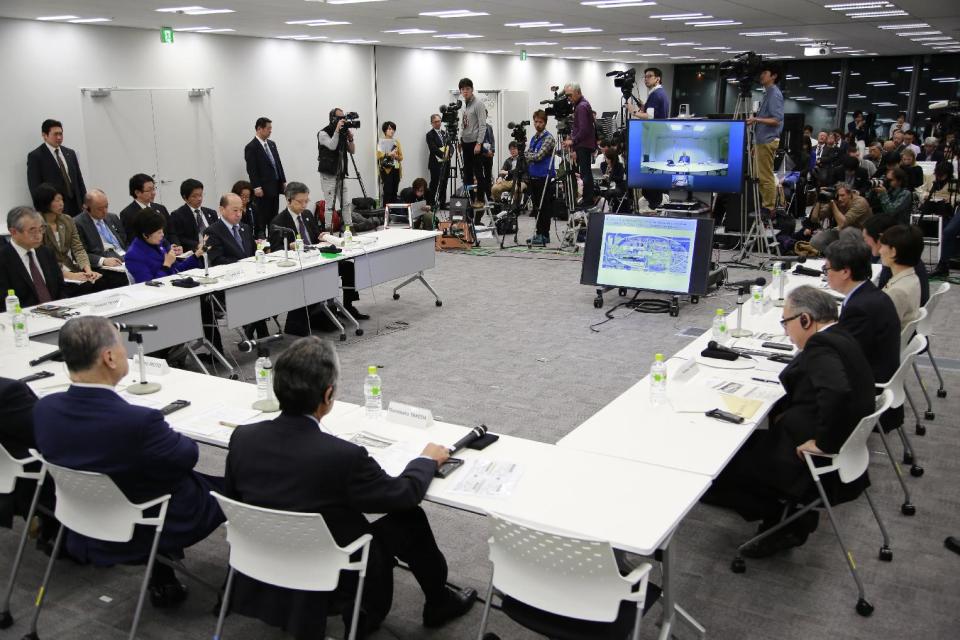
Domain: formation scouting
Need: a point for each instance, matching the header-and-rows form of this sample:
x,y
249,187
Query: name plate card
x,y
409,415
153,366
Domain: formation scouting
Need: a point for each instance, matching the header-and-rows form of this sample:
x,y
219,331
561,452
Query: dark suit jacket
x,y
223,246
260,170
183,225
93,243
94,429
870,317
861,181
129,215
14,275
42,167
433,144
285,219
290,464
16,436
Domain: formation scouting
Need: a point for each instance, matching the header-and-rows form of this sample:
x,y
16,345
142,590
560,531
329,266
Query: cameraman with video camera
x,y
541,170
332,147
582,140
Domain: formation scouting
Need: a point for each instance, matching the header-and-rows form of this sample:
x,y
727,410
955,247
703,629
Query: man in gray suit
x,y
103,237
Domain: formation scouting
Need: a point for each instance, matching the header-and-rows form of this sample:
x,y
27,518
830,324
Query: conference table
x,y
684,167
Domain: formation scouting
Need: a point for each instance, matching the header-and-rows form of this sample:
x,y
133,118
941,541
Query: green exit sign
x,y
523,54
166,35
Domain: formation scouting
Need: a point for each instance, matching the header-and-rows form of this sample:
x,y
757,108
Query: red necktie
x,y
43,294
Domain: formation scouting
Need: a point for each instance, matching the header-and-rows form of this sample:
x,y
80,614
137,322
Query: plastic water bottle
x,y
372,393
298,244
20,337
261,259
264,373
777,271
12,302
658,380
347,236
720,331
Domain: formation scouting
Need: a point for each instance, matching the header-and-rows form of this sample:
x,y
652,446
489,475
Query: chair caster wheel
x,y
439,303
359,332
864,608
907,458
234,376
886,554
929,415
738,565
597,303
916,471
908,509
343,337
491,636
920,430
6,620
396,296
622,292
941,393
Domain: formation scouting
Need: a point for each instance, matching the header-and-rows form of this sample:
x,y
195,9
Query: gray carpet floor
x,y
512,347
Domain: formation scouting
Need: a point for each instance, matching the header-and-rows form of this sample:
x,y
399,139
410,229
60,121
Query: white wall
x,y
293,83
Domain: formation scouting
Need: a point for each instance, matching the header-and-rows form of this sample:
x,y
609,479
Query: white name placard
x,y
409,415
153,366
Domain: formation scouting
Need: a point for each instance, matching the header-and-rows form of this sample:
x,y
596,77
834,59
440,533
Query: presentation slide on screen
x,y
647,253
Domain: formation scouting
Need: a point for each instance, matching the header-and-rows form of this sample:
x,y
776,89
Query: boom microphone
x,y
475,434
249,345
748,283
134,328
713,345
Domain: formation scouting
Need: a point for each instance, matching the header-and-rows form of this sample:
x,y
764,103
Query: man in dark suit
x,y
103,237
91,428
297,218
143,191
852,174
436,140
292,463
266,173
57,165
26,266
829,389
189,222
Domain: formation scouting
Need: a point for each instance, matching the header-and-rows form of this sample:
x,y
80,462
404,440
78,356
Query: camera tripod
x,y
338,189
756,233
507,219
565,178
452,154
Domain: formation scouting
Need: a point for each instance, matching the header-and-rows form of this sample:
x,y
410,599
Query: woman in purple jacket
x,y
149,256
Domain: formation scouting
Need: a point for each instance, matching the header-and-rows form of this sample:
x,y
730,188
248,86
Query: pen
x,y
228,424
757,379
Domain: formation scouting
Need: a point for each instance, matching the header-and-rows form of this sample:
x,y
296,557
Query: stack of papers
x,y
215,423
487,478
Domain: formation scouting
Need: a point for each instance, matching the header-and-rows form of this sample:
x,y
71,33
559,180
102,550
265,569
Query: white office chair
x,y
12,469
92,505
925,328
850,462
906,334
561,586
896,385
290,550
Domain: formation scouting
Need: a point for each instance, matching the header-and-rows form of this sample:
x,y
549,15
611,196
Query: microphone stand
x,y
779,302
286,262
143,387
740,332
206,277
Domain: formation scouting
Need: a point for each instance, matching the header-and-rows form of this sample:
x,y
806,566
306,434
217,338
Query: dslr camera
x,y
826,195
350,120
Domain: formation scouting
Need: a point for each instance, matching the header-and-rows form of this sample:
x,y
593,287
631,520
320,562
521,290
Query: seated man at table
x,y
26,266
103,237
292,463
90,427
828,389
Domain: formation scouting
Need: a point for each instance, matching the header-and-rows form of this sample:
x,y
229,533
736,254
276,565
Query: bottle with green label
x,y
720,329
372,393
20,336
263,369
12,302
658,380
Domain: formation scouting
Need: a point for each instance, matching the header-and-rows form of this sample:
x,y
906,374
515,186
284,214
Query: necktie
x,y
63,172
303,230
201,223
43,294
107,235
273,161
236,235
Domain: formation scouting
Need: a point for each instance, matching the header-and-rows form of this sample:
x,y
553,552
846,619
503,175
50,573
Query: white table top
x,y
693,167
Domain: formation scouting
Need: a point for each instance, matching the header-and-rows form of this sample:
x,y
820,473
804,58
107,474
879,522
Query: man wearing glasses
x,y
828,389
657,101
26,266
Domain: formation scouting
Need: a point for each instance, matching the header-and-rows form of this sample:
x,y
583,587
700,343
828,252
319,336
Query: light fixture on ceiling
x,y
90,20
761,34
535,43
570,30
56,18
318,22
914,25
641,39
355,41
534,24
457,36
454,13
410,32
715,23
846,6
878,14
616,4
585,48
194,11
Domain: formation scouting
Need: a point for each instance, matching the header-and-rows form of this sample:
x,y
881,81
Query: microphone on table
x,y
475,434
53,355
134,328
748,283
805,271
789,259
249,345
714,346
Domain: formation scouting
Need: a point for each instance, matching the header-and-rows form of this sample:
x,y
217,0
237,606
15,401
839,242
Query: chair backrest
x,y
568,576
895,384
11,469
911,328
924,327
92,505
282,548
854,457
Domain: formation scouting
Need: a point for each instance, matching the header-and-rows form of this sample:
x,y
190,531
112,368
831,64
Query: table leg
x,y
669,604
414,278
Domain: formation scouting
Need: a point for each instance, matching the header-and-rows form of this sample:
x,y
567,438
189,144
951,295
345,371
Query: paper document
x,y
487,478
213,423
371,441
395,458
746,408
143,401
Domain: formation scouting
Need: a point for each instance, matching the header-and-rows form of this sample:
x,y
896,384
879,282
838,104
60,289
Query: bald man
x,y
103,237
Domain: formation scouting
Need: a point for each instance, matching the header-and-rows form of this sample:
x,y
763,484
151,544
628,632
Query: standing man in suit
x,y
266,173
829,389
293,463
437,149
26,266
189,223
55,164
91,428
103,237
143,190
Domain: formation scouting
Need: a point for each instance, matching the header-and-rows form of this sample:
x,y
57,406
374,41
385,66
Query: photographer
x,y
893,197
472,131
582,140
943,201
768,123
541,170
332,147
508,174
841,212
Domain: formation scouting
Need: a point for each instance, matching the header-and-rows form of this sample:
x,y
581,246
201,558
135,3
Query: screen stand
x,y
740,332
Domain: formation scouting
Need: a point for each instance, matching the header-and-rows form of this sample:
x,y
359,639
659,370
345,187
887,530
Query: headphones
x,y
805,321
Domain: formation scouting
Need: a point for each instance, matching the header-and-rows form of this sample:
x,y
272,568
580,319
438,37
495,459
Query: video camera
x,y
519,132
624,80
826,195
743,68
560,106
350,120
449,112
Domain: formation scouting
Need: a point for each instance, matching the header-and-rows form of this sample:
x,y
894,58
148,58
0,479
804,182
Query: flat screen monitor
x,y
670,255
695,155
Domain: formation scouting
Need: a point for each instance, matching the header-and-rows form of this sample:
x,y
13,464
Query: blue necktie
x,y
107,235
236,235
273,162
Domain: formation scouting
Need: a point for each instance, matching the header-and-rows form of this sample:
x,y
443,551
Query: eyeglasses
x,y
784,321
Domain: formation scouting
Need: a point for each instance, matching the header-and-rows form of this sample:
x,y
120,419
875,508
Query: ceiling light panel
x,y
453,13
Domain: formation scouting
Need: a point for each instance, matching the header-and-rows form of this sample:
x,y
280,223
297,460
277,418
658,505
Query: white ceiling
x,y
369,21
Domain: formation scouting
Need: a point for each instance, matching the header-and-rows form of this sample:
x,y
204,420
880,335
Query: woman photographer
x,y
943,201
